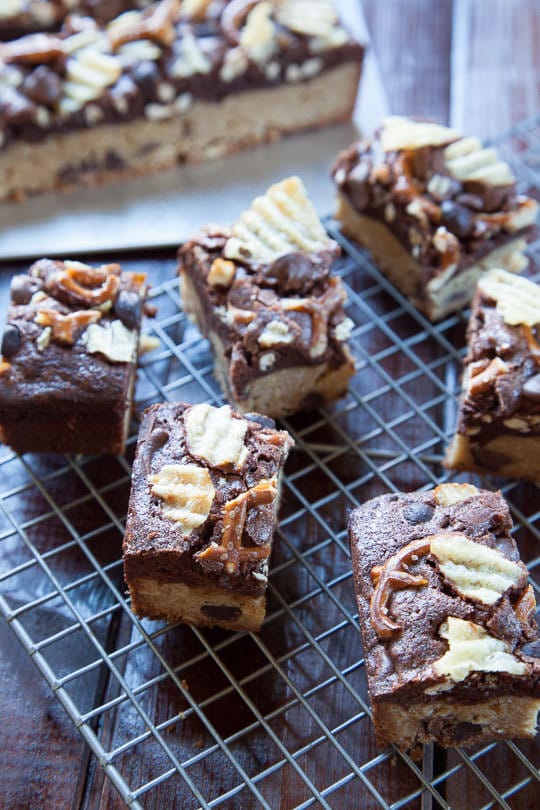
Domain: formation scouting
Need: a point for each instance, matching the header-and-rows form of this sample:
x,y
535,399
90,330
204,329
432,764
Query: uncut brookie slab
x,y
178,81
435,209
498,427
202,513
69,357
262,292
447,617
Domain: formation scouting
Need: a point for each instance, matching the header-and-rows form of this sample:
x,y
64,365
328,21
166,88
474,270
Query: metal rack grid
x,y
181,717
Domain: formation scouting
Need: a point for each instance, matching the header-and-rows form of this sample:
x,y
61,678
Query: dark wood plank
x,y
42,754
412,41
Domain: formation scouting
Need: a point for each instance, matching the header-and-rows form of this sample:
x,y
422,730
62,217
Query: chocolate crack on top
x,y
448,201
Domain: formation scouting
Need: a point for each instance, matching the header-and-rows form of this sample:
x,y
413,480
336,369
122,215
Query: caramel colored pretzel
x,y
392,577
92,285
156,24
230,552
33,49
65,328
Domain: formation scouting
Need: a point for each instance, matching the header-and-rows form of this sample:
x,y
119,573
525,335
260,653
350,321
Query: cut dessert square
x,y
69,357
171,83
262,292
447,617
498,428
435,209
202,513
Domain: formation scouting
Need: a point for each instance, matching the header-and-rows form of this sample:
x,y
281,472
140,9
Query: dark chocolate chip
x,y
221,612
418,513
263,421
532,649
357,185
456,218
146,77
23,288
128,307
291,273
43,86
11,340
531,388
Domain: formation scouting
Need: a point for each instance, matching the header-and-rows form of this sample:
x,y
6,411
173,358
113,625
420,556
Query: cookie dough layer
x,y
202,607
207,130
406,273
451,722
510,455
299,386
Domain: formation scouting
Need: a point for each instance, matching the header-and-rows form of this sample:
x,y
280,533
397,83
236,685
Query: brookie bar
x,y
498,428
435,209
202,512
263,294
69,357
175,82
447,617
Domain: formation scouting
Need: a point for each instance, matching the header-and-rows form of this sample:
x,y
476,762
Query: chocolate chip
x,y
531,388
146,77
357,184
128,307
418,513
43,86
456,218
11,340
263,421
532,649
292,272
23,288
221,612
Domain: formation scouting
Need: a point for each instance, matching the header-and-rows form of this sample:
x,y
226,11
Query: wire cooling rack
x,y
179,717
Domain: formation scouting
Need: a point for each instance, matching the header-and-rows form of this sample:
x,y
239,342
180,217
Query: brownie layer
x,y
155,65
498,426
202,513
446,613
434,207
69,354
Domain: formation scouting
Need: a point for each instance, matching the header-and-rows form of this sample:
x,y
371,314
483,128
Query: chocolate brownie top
x,y
152,63
443,597
204,495
268,292
71,336
502,378
447,199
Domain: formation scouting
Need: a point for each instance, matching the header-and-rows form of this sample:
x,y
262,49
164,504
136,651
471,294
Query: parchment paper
x,y
163,209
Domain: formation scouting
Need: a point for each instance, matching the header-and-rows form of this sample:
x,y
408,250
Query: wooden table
x,y
475,65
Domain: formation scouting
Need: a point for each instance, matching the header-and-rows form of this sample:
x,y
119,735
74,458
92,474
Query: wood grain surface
x,y
475,65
